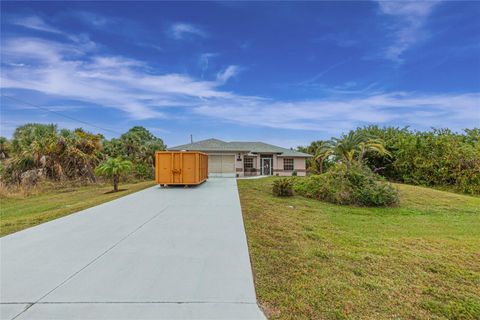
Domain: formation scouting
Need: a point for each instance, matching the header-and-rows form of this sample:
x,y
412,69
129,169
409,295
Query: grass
x,y
315,260
21,212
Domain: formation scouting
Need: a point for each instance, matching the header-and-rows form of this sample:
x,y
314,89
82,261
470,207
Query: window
x,y
248,163
288,164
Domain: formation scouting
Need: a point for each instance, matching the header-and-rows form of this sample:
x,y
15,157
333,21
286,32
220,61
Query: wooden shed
x,y
181,167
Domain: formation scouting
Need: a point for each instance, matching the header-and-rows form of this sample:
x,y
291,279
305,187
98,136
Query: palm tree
x,y
114,168
374,145
322,152
355,145
4,148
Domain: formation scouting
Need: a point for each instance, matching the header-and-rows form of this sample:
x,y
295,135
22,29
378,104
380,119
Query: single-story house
x,y
248,158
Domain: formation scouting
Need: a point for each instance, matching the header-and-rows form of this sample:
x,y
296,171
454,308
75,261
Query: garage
x,y
221,165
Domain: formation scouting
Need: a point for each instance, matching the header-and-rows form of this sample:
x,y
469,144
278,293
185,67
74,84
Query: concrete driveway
x,y
169,253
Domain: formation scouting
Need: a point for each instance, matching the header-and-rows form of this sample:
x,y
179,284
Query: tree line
x,y
435,158
44,150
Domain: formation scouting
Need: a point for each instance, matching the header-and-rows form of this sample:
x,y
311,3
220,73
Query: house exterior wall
x,y
239,164
299,165
275,163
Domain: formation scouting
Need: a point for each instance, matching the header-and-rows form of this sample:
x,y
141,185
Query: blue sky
x,y
285,73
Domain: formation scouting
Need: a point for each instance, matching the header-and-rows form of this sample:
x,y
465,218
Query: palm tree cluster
x,y
438,157
349,149
54,154
353,147
42,150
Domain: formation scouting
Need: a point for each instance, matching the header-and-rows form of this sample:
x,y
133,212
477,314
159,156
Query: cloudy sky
x,y
285,73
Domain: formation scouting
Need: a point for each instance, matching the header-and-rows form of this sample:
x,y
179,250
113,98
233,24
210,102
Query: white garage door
x,y
221,165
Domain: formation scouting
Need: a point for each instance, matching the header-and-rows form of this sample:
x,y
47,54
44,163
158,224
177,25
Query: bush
x,y
283,187
143,171
377,194
343,185
436,158
294,173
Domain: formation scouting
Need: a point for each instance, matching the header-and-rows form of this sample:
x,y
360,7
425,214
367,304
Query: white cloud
x,y
342,39
409,9
73,72
76,72
35,23
410,18
181,30
94,19
313,81
229,72
343,113
204,60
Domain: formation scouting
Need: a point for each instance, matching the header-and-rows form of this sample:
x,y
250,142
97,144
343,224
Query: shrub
x,y
143,171
343,185
283,187
377,194
436,158
294,173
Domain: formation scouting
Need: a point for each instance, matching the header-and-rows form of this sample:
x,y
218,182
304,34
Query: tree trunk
x,y
115,183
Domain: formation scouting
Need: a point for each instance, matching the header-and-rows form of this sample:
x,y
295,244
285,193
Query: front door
x,y
266,166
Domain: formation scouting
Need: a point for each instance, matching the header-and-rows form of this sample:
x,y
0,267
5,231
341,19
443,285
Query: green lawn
x,y
315,260
17,213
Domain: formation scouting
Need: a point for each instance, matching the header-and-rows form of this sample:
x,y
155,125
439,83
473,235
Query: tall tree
x,y
4,148
353,146
321,152
139,146
65,154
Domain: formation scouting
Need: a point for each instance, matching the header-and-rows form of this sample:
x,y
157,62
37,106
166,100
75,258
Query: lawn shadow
x,y
180,186
113,191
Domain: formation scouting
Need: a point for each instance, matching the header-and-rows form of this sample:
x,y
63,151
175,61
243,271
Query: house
x,y
248,158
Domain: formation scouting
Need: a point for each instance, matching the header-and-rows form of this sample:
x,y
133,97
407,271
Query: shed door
x,y
164,168
221,165
188,168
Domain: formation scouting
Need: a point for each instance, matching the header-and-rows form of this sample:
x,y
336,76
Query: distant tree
x,y
438,157
472,136
139,146
323,152
46,151
353,147
392,138
56,154
114,168
320,150
4,148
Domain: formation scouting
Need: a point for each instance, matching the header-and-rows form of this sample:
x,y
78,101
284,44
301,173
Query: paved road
x,y
170,253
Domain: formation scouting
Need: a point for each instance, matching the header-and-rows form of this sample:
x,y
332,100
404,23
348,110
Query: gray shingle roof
x,y
235,146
